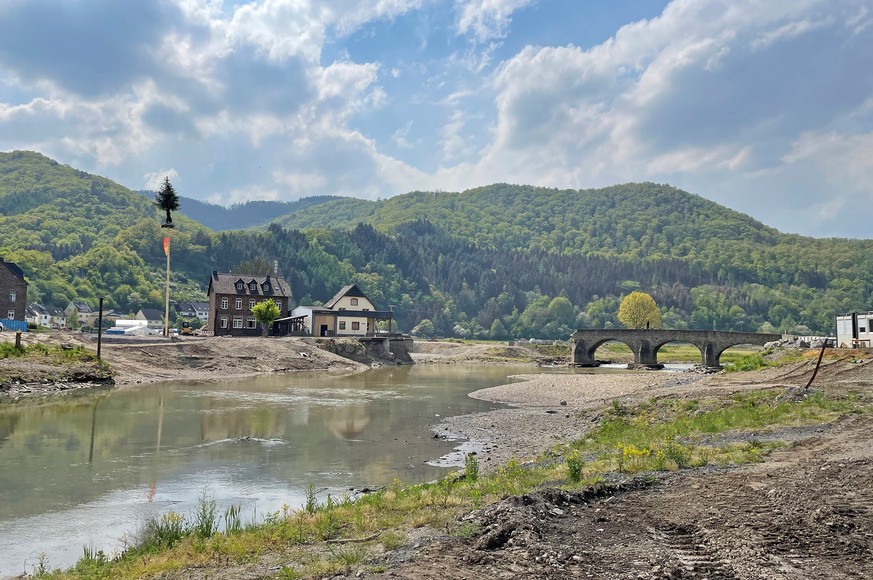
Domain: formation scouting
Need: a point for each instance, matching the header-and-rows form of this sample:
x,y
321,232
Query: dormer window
x,y
239,285
266,286
253,286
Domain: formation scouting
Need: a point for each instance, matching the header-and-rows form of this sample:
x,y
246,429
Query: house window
x,y
253,287
223,321
224,303
279,305
237,321
12,297
251,322
354,302
356,326
251,304
238,304
365,309
342,325
10,315
239,285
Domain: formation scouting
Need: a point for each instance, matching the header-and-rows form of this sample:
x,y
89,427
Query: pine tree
x,y
168,200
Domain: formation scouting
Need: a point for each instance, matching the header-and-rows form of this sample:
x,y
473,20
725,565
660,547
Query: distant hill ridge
x,y
241,215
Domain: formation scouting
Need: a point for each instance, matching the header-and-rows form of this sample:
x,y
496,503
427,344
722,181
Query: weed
x,y
232,520
574,466
41,568
350,555
618,408
468,529
311,501
392,539
163,532
471,467
205,520
289,573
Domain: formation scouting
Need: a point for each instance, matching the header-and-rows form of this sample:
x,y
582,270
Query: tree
x,y
266,312
168,200
424,329
638,310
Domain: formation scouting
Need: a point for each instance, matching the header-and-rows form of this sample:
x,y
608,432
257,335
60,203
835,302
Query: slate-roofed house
x,y
193,309
154,317
81,312
349,313
232,297
57,316
37,315
13,291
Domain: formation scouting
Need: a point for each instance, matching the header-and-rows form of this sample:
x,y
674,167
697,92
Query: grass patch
x,y
333,536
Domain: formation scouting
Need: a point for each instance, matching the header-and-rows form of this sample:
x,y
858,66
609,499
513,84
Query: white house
x,y
348,313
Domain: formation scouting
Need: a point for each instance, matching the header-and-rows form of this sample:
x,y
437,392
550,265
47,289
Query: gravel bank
x,y
546,409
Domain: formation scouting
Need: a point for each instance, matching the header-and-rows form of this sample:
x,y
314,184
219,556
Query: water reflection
x,y
88,470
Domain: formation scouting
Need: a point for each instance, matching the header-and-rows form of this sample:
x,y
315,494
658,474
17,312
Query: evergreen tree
x,y
168,200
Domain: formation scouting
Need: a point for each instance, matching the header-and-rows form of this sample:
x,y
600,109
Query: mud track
x,y
807,512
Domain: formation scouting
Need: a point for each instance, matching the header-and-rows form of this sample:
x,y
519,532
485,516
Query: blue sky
x,y
765,106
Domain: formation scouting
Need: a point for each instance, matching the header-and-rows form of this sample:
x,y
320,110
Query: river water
x,y
89,470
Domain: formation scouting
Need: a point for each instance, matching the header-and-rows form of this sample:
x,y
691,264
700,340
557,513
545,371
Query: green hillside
x,y
499,261
78,235
631,221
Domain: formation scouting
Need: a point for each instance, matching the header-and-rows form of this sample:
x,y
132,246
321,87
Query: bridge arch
x,y
645,344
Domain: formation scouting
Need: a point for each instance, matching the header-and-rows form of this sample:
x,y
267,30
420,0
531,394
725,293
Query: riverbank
x,y
544,409
142,360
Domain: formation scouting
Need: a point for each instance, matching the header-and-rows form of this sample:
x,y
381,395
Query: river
x,y
90,469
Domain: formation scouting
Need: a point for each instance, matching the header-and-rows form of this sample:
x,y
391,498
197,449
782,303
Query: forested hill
x,y
630,221
499,261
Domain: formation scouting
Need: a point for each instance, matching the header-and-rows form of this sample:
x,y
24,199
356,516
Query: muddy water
x,y
88,471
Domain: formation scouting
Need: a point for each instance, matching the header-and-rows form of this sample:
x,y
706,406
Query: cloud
x,y
485,20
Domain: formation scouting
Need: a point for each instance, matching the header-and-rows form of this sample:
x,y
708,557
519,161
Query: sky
x,y
764,106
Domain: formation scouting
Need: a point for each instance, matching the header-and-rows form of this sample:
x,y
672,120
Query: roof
x,y
13,267
225,283
152,314
350,290
54,311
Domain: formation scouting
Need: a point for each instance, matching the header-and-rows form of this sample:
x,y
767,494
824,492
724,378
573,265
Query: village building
x,y
855,330
36,315
232,297
153,317
13,292
349,313
81,313
198,310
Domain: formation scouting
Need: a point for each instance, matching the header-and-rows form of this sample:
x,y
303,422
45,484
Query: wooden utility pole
x,y
167,294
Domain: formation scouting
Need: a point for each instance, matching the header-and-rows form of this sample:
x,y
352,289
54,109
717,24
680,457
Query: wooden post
x,y
99,327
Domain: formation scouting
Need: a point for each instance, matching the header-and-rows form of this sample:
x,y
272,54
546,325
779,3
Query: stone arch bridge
x,y
646,343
